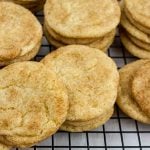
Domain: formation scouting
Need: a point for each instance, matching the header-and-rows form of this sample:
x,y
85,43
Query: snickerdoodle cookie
x,y
133,91
91,78
135,22
81,21
20,34
33,103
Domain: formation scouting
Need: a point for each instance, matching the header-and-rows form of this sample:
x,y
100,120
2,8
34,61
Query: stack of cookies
x,y
20,34
73,89
135,31
33,5
91,78
134,90
33,104
92,23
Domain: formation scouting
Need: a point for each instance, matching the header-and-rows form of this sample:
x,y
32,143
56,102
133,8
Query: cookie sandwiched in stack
x,y
134,90
135,27
20,34
91,78
33,5
92,23
34,104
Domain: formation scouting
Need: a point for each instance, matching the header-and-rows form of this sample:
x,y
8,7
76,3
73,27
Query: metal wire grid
x,y
119,133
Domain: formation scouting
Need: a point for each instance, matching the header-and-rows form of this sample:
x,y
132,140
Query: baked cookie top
x,y
125,99
20,31
139,10
33,103
82,18
141,87
133,48
90,76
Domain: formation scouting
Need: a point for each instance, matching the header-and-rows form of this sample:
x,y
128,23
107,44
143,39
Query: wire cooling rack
x,y
119,133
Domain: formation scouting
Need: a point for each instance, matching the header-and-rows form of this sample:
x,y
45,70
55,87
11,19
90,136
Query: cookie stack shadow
x,y
92,23
135,27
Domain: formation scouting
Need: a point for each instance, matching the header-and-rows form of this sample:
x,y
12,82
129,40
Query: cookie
x,y
91,78
139,11
136,24
34,103
135,36
125,100
82,18
24,33
91,125
103,43
139,43
133,30
140,88
132,48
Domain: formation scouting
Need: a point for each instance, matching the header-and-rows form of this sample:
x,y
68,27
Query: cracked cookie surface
x,y
20,32
141,88
125,99
82,18
33,103
140,11
90,76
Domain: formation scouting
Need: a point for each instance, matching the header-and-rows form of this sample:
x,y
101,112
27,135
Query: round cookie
x,y
99,43
102,44
82,18
57,44
136,24
90,76
66,40
92,125
125,100
31,109
141,88
24,32
132,48
139,43
140,11
133,30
